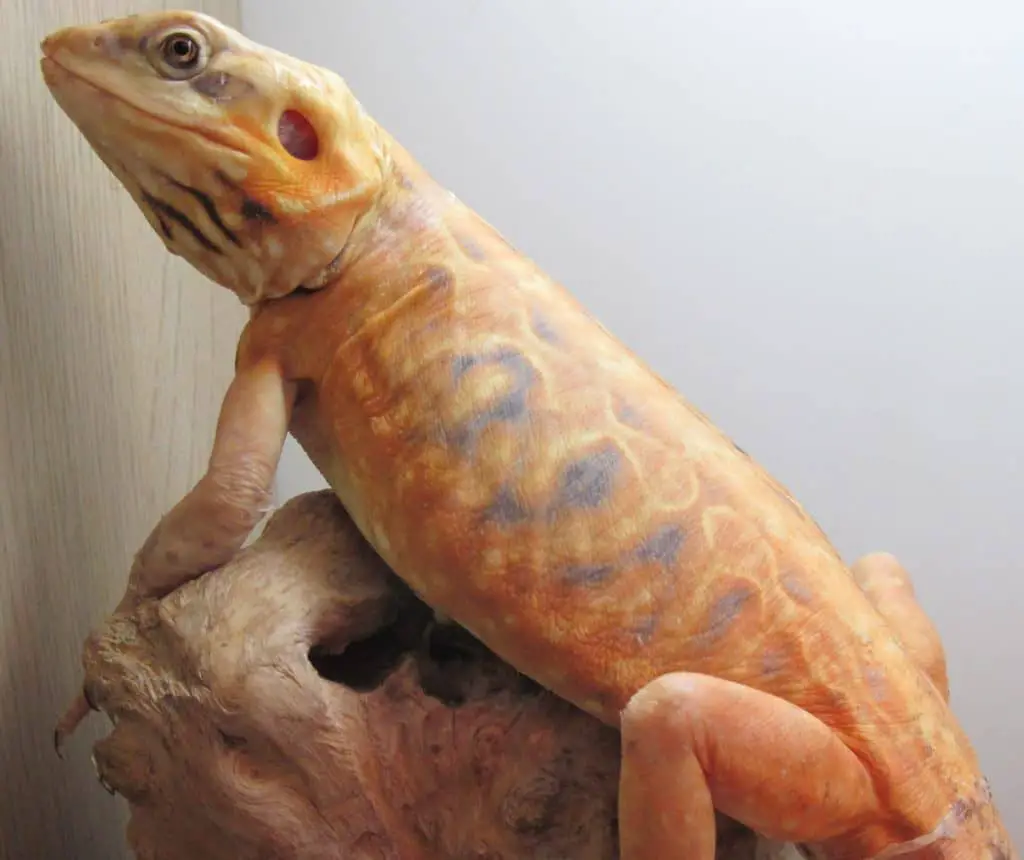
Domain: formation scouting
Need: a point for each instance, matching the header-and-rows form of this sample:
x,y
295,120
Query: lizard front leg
x,y
693,743
211,523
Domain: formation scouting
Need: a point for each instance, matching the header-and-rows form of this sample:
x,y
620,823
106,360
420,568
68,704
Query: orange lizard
x,y
516,465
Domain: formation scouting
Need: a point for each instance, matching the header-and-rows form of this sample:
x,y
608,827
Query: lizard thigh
x,y
888,586
693,743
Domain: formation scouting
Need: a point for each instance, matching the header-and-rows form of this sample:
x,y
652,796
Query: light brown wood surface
x,y
113,359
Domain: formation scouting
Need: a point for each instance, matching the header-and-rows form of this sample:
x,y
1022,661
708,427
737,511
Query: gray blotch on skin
x,y
543,328
876,683
506,508
471,248
644,628
796,588
663,546
253,210
221,87
437,278
588,574
772,662
510,407
723,612
587,482
628,415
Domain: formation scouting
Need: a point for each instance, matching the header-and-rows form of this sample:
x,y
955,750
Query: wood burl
x,y
302,703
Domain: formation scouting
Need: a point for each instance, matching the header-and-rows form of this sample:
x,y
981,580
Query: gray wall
x,y
809,218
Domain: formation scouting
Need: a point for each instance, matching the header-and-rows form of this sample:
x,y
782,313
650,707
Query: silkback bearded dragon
x,y
514,463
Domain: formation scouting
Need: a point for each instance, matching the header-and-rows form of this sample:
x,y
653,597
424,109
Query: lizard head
x,y
251,165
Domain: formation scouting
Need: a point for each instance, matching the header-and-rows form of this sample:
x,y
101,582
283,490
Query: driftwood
x,y
301,703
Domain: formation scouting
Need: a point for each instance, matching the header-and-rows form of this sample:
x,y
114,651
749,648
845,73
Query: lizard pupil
x,y
181,52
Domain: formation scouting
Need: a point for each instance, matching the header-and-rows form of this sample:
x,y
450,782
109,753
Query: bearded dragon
x,y
521,469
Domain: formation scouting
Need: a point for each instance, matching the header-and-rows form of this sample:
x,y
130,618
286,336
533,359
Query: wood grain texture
x,y
113,359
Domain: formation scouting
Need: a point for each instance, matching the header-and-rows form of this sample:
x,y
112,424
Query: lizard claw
x,y
77,711
107,787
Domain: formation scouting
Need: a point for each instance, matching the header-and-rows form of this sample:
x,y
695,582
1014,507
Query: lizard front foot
x,y
207,527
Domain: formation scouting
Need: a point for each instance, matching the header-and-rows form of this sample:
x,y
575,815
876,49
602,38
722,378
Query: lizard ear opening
x,y
298,136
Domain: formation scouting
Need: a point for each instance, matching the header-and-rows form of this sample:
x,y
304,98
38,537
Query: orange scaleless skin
x,y
519,467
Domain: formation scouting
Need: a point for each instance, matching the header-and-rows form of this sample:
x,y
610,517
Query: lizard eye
x,y
181,54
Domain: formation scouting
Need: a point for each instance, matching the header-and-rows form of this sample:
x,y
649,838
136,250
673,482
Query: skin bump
x,y
587,482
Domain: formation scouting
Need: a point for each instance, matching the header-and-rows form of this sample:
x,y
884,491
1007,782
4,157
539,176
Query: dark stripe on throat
x,y
211,210
162,208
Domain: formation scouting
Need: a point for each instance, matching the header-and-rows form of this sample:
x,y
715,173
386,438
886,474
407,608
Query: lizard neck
x,y
416,236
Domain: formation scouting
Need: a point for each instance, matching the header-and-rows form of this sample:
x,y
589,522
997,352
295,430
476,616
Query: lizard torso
x,y
533,480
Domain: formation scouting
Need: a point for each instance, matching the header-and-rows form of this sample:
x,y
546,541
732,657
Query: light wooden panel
x,y
113,359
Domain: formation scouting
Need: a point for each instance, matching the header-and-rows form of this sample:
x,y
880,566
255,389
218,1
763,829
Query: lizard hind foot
x,y
694,743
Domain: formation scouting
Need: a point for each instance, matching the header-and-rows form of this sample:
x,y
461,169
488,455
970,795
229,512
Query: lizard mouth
x,y
60,78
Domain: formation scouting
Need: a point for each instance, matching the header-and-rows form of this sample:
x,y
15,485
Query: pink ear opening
x,y
297,135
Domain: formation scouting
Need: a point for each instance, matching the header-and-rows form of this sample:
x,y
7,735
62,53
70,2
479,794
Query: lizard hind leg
x,y
693,743
887,585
